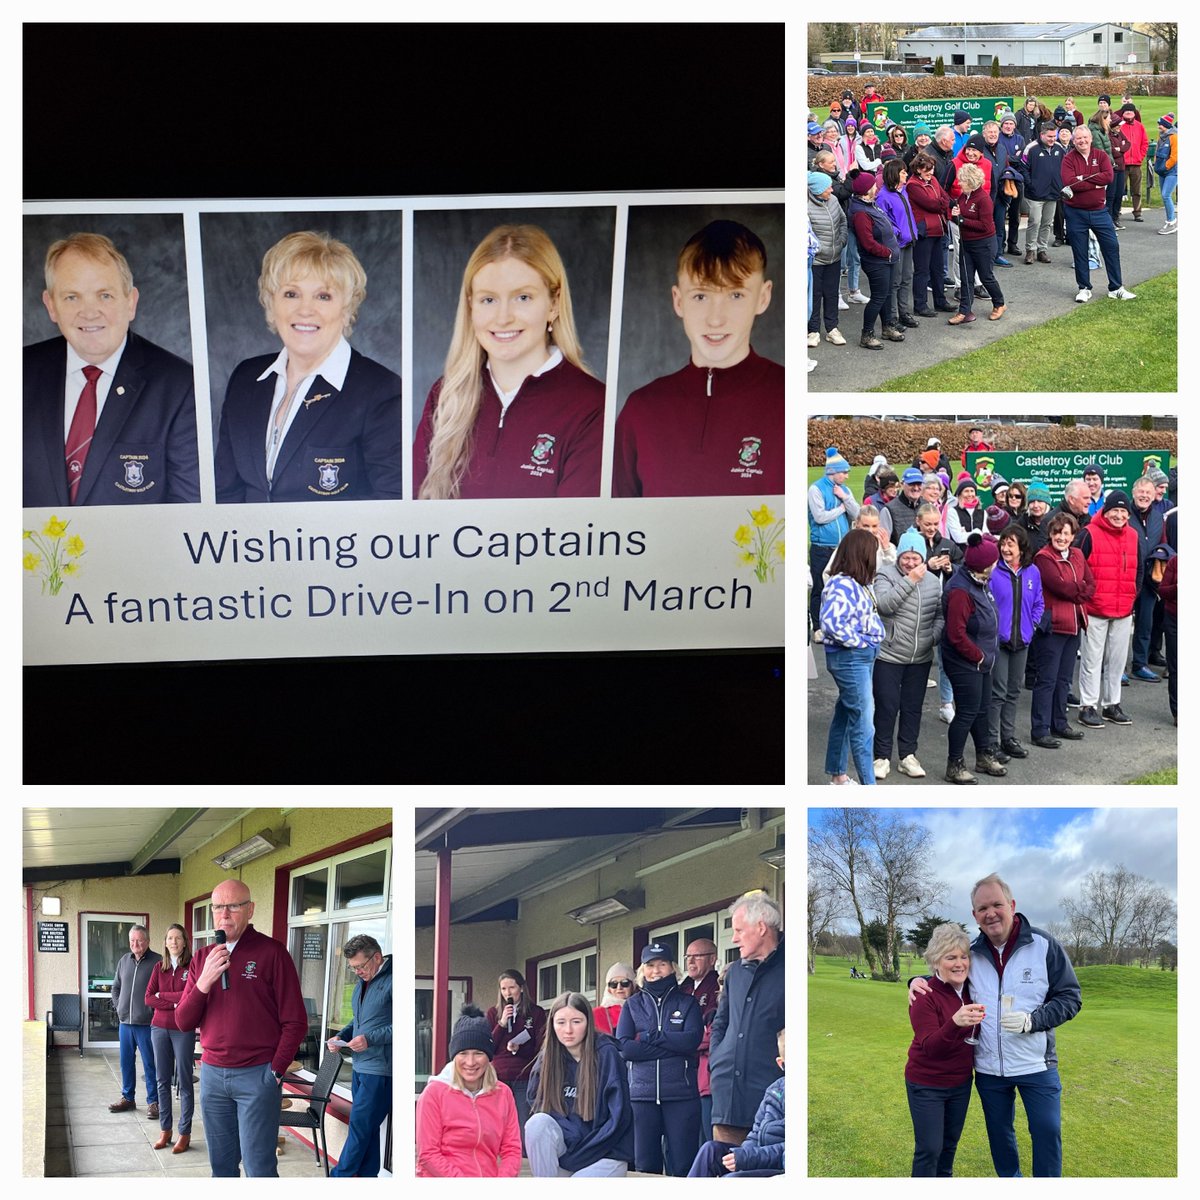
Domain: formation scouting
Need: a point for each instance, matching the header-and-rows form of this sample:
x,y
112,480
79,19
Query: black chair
x,y
318,1101
66,1016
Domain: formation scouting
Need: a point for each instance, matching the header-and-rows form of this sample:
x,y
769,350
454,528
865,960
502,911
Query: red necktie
x,y
79,437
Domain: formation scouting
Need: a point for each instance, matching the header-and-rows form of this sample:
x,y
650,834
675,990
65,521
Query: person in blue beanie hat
x,y
832,509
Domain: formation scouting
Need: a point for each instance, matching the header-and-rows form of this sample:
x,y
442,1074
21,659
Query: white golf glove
x,y
1016,1022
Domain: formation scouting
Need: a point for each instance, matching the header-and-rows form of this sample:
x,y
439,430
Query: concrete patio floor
x,y
84,1139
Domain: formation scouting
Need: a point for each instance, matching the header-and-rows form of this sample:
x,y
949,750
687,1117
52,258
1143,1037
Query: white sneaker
x,y
812,365
882,767
841,303
946,713
1170,227
814,339
834,782
931,683
911,767
834,336
1121,294
856,297
1081,297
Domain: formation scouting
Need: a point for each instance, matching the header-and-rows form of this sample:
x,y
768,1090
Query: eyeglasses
x,y
620,983
706,954
228,908
358,970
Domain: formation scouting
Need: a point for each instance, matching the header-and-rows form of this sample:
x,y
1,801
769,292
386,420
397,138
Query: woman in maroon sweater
x,y
172,1047
931,207
978,228
518,1028
937,1076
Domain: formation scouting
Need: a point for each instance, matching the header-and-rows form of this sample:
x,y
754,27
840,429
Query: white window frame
x,y
720,922
558,960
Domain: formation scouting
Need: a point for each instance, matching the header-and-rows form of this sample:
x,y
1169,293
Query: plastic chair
x,y
66,1016
313,1117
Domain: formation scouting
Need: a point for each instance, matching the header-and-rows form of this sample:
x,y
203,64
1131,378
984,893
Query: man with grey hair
x,y
750,1013
1076,498
368,1037
134,1014
945,172
1025,979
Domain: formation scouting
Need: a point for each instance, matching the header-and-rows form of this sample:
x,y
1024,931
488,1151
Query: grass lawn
x,y
1117,1059
1171,775
1095,362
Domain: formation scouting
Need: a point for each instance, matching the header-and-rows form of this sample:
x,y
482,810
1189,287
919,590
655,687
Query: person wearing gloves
x,y
619,984
910,603
831,508
467,1122
1166,167
659,1033
968,655
518,1027
1086,173
931,207
582,1122
828,223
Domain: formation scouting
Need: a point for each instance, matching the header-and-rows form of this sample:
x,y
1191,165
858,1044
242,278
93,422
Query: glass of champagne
x,y
1006,1003
973,1035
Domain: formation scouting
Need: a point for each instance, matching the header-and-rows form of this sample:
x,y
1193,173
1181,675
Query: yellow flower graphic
x,y
31,561
743,535
51,550
760,544
54,528
747,557
71,568
75,545
762,516
27,533
779,549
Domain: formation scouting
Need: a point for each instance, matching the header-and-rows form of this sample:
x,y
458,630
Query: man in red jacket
x,y
1139,142
251,1024
1113,554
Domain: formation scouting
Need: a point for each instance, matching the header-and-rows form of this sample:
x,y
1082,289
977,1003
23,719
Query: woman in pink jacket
x,y
466,1120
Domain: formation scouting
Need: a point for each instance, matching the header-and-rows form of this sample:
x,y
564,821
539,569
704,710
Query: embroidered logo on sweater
x,y
541,457
248,973
748,455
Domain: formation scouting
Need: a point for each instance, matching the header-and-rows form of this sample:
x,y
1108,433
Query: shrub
x,y
1147,422
995,67
939,68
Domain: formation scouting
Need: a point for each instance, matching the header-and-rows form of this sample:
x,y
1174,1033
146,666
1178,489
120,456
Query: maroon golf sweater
x,y
260,1018
939,1055
704,432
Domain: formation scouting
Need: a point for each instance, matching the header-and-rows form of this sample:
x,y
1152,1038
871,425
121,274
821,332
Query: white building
x,y
1084,43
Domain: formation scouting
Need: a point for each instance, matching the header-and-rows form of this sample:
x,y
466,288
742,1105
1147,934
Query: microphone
x,y
510,1024
219,939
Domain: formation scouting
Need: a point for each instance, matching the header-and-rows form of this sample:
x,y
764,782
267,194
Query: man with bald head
x,y
244,997
700,963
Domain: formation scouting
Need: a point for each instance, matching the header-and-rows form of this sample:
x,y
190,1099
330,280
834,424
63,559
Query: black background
x,y
191,111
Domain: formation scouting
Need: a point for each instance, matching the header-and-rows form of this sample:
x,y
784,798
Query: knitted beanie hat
x,y
1167,121
818,183
921,128
982,552
1117,499
998,481
964,481
834,462
911,540
995,519
1157,476
864,181
1093,469
931,457
1037,490
471,1032
961,115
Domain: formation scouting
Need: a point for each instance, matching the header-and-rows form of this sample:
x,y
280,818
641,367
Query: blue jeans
x,y
852,729
372,1098
1143,620
137,1038
241,1119
1079,221
850,261
1166,187
1041,1093
938,1116
173,1047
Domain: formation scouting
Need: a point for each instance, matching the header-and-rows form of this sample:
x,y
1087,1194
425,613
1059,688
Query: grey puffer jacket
x,y
912,614
829,225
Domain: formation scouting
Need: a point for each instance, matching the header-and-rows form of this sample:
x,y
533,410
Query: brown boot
x,y
185,1140
164,1140
1043,257
1029,258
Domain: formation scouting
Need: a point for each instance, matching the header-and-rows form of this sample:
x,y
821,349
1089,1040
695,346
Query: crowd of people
x,y
927,222
667,1074
997,589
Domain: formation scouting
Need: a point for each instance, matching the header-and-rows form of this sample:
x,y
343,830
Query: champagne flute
x,y
973,1039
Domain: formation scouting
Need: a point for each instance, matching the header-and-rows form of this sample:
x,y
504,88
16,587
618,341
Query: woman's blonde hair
x,y
318,256
461,384
944,939
970,177
487,1081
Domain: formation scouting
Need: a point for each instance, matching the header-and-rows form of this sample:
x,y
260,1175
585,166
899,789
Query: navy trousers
x,y
1055,669
938,1116
371,1097
1041,1093
676,1120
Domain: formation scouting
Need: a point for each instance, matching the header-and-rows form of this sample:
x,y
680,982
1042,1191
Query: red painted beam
x,y
441,962
29,946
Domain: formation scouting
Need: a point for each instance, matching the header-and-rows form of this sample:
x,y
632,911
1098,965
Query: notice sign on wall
x,y
313,945
52,937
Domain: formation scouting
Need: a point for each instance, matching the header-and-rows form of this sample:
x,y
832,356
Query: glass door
x,y
105,939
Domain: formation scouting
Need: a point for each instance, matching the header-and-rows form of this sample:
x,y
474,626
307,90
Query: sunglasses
x,y
620,983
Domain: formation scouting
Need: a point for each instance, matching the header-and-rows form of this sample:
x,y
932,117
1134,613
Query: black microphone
x,y
219,939
510,1023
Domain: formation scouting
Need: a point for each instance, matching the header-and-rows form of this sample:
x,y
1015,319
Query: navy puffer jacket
x,y
659,1041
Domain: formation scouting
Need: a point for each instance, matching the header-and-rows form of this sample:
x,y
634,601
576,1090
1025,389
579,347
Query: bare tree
x,y
840,850
1153,922
1166,32
1109,905
824,907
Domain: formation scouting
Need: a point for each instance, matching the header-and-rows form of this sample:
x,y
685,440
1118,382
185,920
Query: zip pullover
x,y
460,1134
129,988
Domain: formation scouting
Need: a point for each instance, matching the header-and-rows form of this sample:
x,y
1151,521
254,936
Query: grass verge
x,y
1169,776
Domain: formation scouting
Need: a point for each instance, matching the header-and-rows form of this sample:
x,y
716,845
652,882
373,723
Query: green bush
x,y
1106,73
995,67
1068,421
1147,422
939,68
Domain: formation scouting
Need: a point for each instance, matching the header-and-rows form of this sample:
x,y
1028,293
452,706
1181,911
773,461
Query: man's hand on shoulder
x,y
918,987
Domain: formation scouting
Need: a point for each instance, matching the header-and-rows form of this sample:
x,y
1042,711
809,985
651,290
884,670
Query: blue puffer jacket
x,y
763,1148
659,1040
373,1020
1015,623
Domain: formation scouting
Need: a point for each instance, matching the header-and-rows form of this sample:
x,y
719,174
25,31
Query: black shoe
x,y
1116,714
924,312
907,320
1156,660
1013,748
1137,218
1072,700
1014,250
1072,735
994,752
1088,717
1046,742
981,293
944,308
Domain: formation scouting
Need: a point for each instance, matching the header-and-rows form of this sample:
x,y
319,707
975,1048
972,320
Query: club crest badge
x,y
541,456
135,470
248,973
327,475
134,475
748,455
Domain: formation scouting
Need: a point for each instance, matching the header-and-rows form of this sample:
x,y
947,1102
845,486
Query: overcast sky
x,y
1042,854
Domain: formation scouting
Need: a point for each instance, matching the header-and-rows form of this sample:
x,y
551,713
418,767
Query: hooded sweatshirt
x,y
459,1134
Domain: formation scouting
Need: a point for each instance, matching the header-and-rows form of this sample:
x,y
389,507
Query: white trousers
x,y
1105,648
545,1145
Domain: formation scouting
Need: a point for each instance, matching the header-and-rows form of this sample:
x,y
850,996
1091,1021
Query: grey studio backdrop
x,y
232,247
444,240
153,245
653,343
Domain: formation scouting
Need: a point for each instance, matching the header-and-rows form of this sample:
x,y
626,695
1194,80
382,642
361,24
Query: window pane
x,y
309,892
589,974
671,941
547,984
694,933
200,917
424,1032
571,975
308,945
360,882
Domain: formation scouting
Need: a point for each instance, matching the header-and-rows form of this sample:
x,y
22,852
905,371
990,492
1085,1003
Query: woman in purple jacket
x,y
1017,589
931,207
893,200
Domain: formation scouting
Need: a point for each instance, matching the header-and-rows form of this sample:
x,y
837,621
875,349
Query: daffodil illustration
x,y
51,560
761,546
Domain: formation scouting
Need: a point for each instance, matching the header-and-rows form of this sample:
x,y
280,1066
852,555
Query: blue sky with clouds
x,y
1043,853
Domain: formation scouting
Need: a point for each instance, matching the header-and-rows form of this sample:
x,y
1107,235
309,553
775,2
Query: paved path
x,y
1033,295
1114,754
